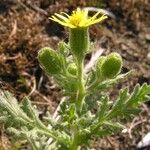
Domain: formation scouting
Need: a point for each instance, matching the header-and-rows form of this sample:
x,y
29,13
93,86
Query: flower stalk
x,y
81,87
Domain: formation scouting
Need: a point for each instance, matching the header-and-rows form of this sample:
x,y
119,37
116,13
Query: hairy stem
x,y
81,87
74,145
79,102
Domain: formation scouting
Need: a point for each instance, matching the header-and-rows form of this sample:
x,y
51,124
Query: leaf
x,y
104,107
126,105
131,111
3,119
113,127
86,120
68,113
139,95
118,107
107,83
110,82
28,109
9,104
108,128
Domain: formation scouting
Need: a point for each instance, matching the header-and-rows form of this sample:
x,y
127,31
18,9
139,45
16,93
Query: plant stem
x,y
32,142
93,85
74,145
81,87
79,102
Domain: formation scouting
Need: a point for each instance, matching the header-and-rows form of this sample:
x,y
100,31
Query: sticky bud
x,y
109,66
50,61
79,42
72,68
99,64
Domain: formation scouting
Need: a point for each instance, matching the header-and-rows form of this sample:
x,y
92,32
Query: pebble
x,y
147,37
148,56
144,142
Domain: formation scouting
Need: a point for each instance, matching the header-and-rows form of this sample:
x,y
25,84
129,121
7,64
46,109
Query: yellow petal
x,y
94,17
99,19
78,18
59,21
61,17
65,14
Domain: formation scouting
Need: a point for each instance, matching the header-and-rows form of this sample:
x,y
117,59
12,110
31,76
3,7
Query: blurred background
x,y
25,28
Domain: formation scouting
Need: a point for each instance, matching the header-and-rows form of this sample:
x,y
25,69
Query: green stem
x,y
79,102
33,144
93,85
81,87
48,133
74,145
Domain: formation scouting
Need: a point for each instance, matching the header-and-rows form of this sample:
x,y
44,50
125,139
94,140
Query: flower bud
x,y
99,64
50,61
72,69
79,42
110,66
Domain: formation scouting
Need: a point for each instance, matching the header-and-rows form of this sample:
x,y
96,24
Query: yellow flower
x,y
78,19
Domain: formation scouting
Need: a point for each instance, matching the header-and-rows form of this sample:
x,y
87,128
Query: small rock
x,y
148,56
144,142
147,37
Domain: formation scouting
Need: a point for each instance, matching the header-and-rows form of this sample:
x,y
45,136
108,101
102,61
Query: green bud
x,y
79,42
72,69
110,66
50,61
99,64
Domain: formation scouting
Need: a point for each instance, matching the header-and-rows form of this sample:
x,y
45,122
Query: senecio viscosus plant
x,y
85,110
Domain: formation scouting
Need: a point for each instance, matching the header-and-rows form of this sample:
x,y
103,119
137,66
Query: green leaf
x,y
119,105
108,128
110,82
28,109
104,107
9,104
126,105
113,127
86,120
97,86
139,95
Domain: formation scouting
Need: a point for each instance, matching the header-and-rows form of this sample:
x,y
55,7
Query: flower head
x,y
78,19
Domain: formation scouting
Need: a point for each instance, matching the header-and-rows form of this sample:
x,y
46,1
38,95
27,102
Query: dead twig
x,y
134,124
95,55
43,97
39,103
34,86
113,144
14,30
41,11
103,11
